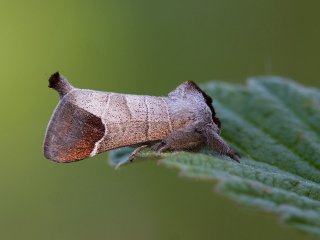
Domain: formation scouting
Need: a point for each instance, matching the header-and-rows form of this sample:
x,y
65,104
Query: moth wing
x,y
72,133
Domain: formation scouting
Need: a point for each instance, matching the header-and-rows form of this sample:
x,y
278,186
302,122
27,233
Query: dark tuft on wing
x,y
60,84
208,101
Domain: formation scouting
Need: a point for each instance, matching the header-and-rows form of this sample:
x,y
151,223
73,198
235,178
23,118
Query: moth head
x,y
188,89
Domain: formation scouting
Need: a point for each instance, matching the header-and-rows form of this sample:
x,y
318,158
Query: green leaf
x,y
275,124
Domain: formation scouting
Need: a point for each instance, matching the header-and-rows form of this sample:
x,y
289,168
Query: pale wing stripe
x,y
127,107
147,118
168,114
103,120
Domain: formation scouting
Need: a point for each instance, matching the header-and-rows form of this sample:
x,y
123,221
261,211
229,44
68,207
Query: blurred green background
x,y
142,47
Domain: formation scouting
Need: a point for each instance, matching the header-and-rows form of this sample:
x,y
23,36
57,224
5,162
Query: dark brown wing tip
x,y
57,159
72,133
57,154
60,84
208,101
50,156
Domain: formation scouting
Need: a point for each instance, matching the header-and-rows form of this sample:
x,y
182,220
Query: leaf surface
x,y
275,124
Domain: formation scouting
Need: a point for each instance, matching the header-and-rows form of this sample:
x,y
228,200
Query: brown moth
x,y
88,122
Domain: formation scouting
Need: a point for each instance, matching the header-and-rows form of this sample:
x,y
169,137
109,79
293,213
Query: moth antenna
x,y
60,84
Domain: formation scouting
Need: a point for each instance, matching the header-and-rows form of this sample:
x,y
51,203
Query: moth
x,y
88,122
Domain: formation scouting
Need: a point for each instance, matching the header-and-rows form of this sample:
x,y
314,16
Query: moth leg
x,y
135,152
185,138
132,156
216,142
